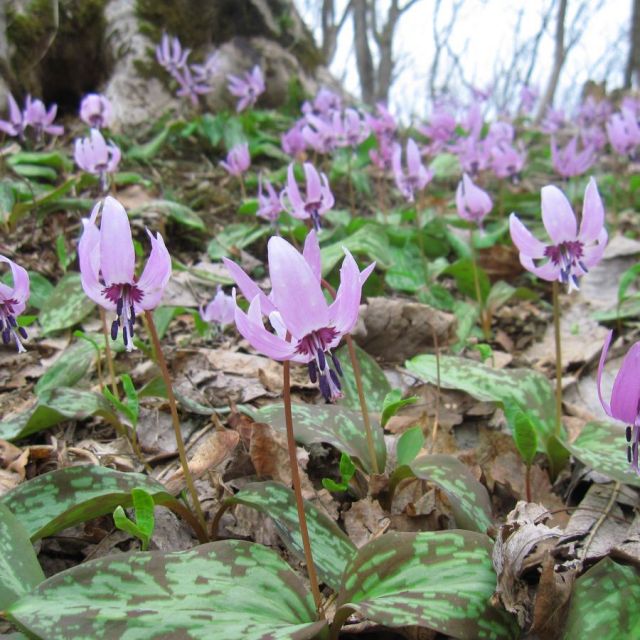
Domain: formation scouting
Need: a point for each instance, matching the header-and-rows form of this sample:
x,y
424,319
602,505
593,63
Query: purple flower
x,y
220,310
12,303
320,133
382,156
107,268
247,88
569,162
37,116
594,137
416,176
269,205
324,104
571,252
507,161
307,329
16,124
441,127
318,198
383,124
352,129
94,155
170,55
95,110
190,87
528,97
238,160
554,120
204,73
624,132
293,141
473,154
472,202
625,397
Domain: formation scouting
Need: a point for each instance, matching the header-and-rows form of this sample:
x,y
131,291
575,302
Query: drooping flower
x,y
220,310
96,111
569,162
248,87
473,203
528,97
324,104
205,72
12,303
95,156
416,176
36,115
624,133
508,161
307,329
238,160
269,205
553,121
107,268
625,397
571,252
170,55
293,141
318,197
16,123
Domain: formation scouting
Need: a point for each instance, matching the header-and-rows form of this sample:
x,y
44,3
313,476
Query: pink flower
x,y
472,202
507,161
16,123
248,87
318,198
107,268
220,310
94,155
571,253
569,162
37,116
269,205
12,303
293,141
624,132
170,55
307,329
238,160
416,176
95,110
625,397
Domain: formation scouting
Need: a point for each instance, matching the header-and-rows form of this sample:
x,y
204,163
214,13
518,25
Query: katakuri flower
x,y
96,111
624,133
95,156
170,55
220,310
473,203
318,197
307,329
571,253
569,161
16,123
238,160
625,397
107,268
269,205
36,115
416,176
248,87
12,303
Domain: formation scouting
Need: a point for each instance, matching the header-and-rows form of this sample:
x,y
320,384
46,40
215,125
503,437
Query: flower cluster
x,y
34,115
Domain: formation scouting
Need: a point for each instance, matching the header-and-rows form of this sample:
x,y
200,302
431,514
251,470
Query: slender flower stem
x,y
527,483
109,355
484,318
556,327
436,417
352,203
162,363
357,374
243,191
297,488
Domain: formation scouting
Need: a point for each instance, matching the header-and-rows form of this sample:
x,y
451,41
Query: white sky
x,y
483,37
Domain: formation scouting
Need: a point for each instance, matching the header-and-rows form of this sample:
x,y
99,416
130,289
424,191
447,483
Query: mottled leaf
x,y
40,289
71,367
530,390
374,383
370,240
440,580
393,402
19,568
67,305
336,425
331,548
180,213
604,604
59,499
602,446
230,589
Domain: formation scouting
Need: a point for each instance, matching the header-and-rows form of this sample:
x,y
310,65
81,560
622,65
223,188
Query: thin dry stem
x,y
556,327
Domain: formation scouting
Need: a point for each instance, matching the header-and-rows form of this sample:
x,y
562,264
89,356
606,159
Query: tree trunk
x,y
364,59
632,70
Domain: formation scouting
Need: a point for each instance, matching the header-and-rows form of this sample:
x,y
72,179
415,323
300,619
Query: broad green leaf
x,y
462,271
407,271
174,211
445,165
35,171
54,159
374,382
331,548
528,389
71,367
370,240
230,589
40,289
409,445
602,446
500,293
234,237
67,305
149,149
469,499
604,603
60,499
392,403
524,428
20,570
336,425
7,200
440,580
144,523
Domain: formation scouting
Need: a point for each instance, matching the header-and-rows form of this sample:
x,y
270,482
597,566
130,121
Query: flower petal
x,y
247,286
547,271
314,193
344,309
311,253
603,356
20,291
89,259
592,255
156,273
592,213
117,257
527,244
557,215
625,394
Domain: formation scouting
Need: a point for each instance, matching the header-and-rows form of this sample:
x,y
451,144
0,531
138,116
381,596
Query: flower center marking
x,y
8,325
317,344
124,296
567,256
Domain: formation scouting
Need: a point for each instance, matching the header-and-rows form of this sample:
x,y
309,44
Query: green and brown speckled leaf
x,y
469,499
440,580
339,426
221,590
60,499
332,550
19,568
527,388
603,447
604,604
66,306
53,407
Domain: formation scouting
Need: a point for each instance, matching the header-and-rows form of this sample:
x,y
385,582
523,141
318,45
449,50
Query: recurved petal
x,y
547,271
117,257
247,286
592,213
313,183
527,244
89,259
593,254
156,273
413,158
20,291
295,291
293,194
311,253
625,395
557,215
603,357
344,309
